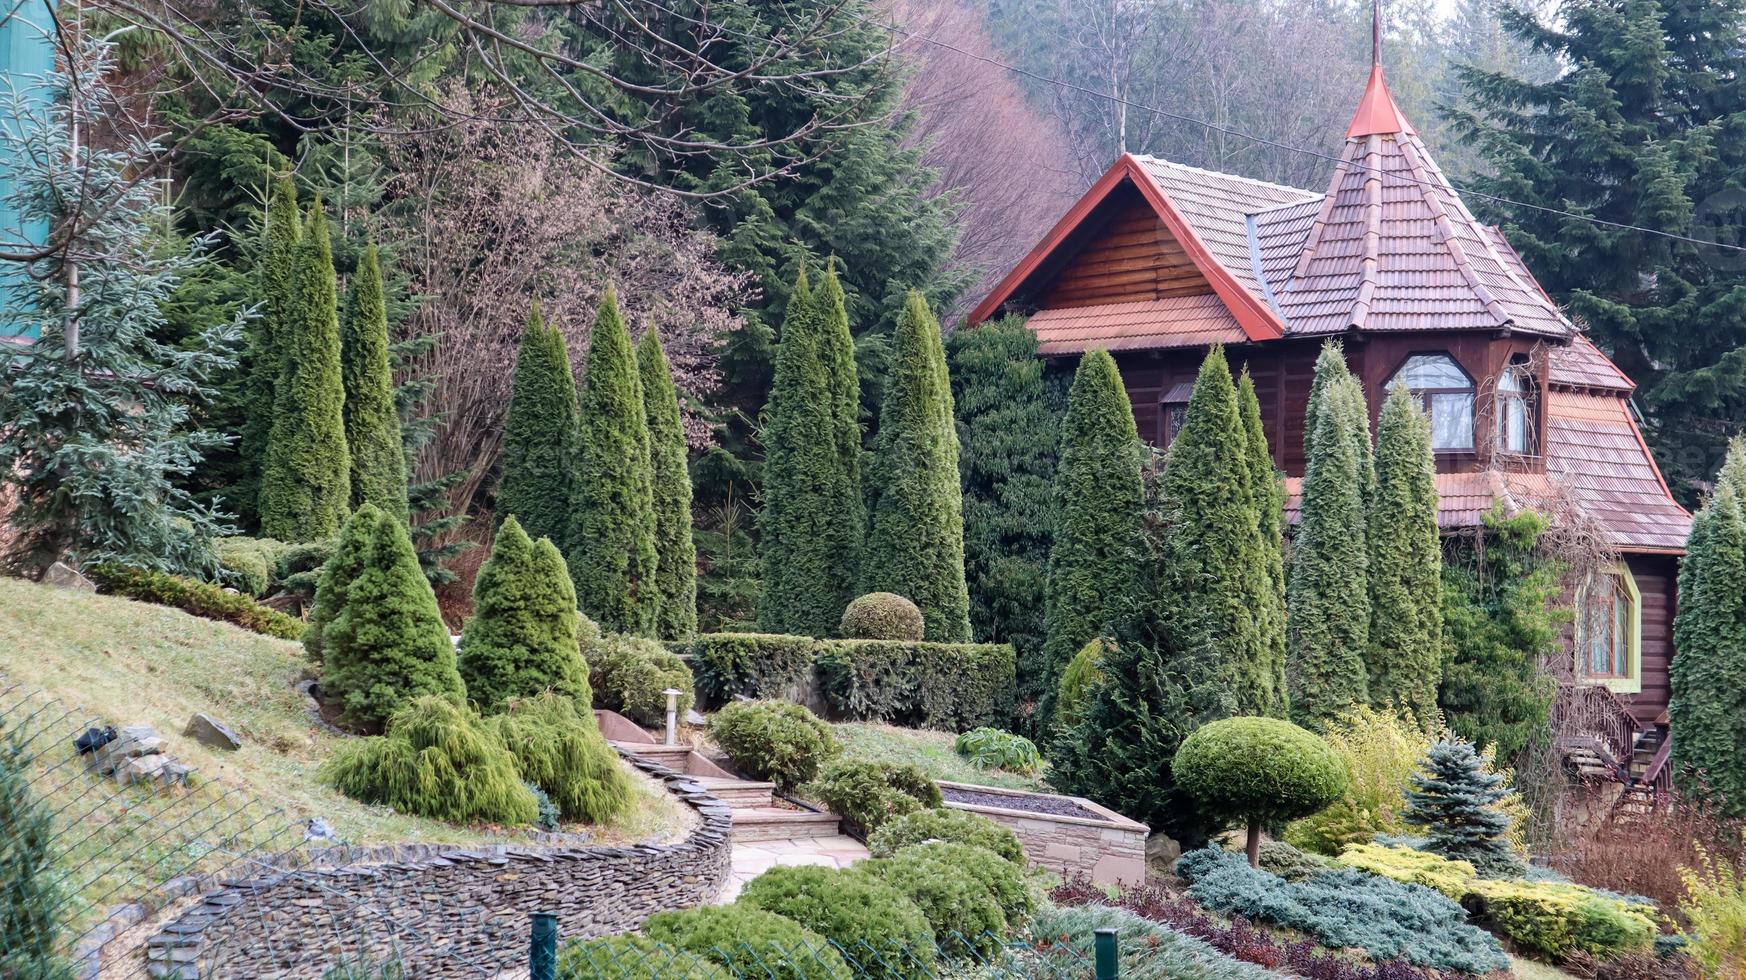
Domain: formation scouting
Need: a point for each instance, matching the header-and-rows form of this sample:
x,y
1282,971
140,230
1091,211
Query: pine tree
x,y
916,548
1008,425
32,895
836,348
675,554
1405,660
1708,706
1455,800
1269,496
521,641
1098,499
612,511
1212,577
372,425
306,482
387,644
1329,588
540,434
265,359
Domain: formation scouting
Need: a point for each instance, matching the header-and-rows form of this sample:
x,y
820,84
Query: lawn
x,y
931,751
105,660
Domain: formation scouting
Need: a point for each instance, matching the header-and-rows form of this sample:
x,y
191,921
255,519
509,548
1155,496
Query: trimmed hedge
x,y
882,616
873,921
750,942
775,740
868,794
957,826
959,908
753,665
195,598
628,674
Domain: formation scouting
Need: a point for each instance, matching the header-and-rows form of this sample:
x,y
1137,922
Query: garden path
x,y
753,858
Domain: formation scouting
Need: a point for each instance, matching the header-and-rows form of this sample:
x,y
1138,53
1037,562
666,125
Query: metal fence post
x,y
1109,965
542,960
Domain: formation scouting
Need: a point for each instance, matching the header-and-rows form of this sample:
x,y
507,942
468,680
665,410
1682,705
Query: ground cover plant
x,y
775,740
957,826
991,748
1149,950
201,599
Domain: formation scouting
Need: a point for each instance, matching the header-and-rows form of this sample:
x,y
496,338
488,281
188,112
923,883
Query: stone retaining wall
x,y
1110,849
442,912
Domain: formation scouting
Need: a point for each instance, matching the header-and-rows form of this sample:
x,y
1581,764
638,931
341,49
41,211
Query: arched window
x,y
1515,408
1446,392
1609,629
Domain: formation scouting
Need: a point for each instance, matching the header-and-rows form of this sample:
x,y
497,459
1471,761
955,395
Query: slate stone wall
x,y
1109,850
442,912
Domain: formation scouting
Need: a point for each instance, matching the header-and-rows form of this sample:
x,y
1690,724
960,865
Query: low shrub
x,y
436,760
1258,771
1380,751
991,748
881,616
560,749
961,910
299,566
868,794
1004,880
1647,854
1714,909
1462,807
946,686
1633,966
1073,692
871,921
775,740
248,564
957,826
750,942
633,957
629,674
1280,858
751,665
1385,918
548,819
195,598
1148,950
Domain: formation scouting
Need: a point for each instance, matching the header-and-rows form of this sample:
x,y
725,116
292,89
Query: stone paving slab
x,y
753,858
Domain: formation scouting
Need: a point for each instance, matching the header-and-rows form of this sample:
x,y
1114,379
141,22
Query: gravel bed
x,y
1054,806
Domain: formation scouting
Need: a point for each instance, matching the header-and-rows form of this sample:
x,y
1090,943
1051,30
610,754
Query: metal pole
x,y
672,715
1108,964
542,960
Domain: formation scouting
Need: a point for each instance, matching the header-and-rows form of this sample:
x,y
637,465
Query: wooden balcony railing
x,y
1594,717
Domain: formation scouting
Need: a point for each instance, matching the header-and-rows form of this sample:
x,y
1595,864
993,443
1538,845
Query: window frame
x,y
1624,585
1426,398
1520,367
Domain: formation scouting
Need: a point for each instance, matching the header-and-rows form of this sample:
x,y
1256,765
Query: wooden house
x,y
1159,260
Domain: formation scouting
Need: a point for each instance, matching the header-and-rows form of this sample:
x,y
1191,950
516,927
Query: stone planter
x,y
1078,838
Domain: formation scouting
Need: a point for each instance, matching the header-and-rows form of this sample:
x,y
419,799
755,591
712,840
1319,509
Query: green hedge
x,y
195,598
762,666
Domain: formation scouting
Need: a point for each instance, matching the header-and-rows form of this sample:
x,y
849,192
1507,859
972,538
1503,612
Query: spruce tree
x,y
1708,706
1329,589
675,554
521,641
333,580
1098,501
32,893
387,644
1405,660
612,512
306,483
265,358
1212,581
540,433
916,548
1455,800
1269,495
373,434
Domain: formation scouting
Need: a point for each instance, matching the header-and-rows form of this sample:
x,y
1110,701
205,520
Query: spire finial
x,y
1375,33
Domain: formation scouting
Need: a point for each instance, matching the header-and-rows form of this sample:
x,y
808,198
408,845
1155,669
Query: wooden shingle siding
x,y
1134,257
1656,576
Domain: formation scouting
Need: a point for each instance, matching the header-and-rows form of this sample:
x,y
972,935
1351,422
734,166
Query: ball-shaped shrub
x,y
629,674
868,794
956,826
633,957
750,942
1004,880
991,748
1073,692
1258,771
882,616
872,922
775,740
961,911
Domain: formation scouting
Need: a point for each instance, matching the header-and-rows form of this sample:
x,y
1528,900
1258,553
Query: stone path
x,y
753,858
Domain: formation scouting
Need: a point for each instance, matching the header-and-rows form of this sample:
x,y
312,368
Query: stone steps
x,y
772,823
741,794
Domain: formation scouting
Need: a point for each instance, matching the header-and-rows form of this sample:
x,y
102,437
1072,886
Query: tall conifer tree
x,y
306,485
1269,496
675,553
274,271
373,434
916,548
612,512
1405,661
836,348
1708,706
539,435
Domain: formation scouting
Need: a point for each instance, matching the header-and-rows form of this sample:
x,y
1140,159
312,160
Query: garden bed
x,y
1066,834
1053,806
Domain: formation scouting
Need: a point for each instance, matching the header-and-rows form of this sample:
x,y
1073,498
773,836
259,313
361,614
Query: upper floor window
x,y
1515,407
1446,392
1173,411
1608,629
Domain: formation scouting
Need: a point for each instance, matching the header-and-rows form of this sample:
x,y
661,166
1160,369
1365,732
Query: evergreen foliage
x,y
612,513
1329,588
521,640
372,424
32,894
776,740
916,547
1269,494
750,942
882,616
630,675
954,826
1405,659
264,356
1709,631
540,433
855,911
960,910
1097,536
1008,426
558,747
306,480
1258,771
1078,681
675,554
836,349
1455,800
385,643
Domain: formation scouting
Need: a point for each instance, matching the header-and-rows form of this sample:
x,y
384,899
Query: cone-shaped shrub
x,y
810,523
558,747
1405,662
539,435
612,512
836,350
1269,495
1455,800
1098,500
306,485
386,643
437,760
1329,591
372,423
675,553
1708,709
521,640
333,581
274,274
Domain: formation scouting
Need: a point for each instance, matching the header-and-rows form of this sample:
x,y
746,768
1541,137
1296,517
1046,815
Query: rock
x,y
1161,854
320,831
141,769
207,730
64,576
695,719
133,742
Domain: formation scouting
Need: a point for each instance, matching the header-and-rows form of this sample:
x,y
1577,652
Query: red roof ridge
x,y
1377,114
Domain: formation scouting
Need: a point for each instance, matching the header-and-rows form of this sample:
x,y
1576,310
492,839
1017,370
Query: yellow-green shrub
x,y
1714,907
1381,751
1434,871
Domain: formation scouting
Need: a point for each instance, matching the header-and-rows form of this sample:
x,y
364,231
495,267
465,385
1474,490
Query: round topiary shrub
x,y
874,924
1258,771
1073,692
629,674
750,942
775,740
1004,880
868,794
991,748
882,616
633,957
955,826
962,912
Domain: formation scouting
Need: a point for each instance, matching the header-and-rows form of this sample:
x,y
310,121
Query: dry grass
x,y
931,751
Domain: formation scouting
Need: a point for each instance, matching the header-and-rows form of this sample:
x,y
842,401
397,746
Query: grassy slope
x,y
931,751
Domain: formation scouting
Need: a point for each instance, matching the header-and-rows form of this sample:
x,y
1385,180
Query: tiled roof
x,y
1217,206
1179,321
1580,364
1462,498
1594,450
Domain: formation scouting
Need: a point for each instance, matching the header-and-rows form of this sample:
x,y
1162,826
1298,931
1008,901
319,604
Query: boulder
x,y
209,731
132,742
64,576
